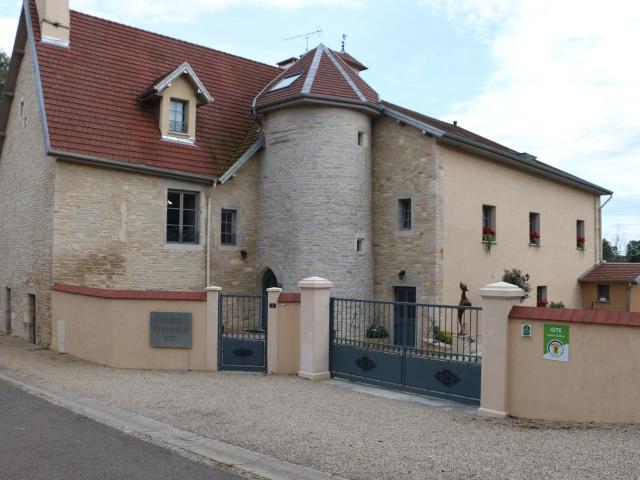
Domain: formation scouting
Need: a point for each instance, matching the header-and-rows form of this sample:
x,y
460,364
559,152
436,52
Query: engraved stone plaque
x,y
170,330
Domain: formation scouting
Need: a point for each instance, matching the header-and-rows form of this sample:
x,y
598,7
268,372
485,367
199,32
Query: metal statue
x,y
464,302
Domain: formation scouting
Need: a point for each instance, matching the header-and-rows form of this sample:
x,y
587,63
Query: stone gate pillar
x,y
314,328
497,300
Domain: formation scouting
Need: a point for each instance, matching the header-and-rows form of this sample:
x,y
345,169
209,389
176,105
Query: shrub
x,y
443,337
556,304
515,277
377,331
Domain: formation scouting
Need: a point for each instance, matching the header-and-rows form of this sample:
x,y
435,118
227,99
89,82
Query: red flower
x,y
542,303
488,231
580,240
534,235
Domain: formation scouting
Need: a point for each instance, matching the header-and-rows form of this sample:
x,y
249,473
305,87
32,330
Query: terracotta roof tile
x,y
325,75
91,95
601,317
613,272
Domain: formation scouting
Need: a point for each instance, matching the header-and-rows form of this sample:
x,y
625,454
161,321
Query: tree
x,y
4,70
515,277
633,251
609,251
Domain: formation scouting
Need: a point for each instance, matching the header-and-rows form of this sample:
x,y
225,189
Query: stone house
x,y
612,286
130,160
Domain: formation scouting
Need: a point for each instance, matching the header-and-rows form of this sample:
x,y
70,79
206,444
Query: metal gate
x,y
419,348
242,333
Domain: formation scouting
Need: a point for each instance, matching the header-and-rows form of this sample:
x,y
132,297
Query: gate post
x,y
497,300
272,329
213,325
314,328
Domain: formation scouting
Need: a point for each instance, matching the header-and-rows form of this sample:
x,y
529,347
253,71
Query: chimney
x,y
53,16
284,64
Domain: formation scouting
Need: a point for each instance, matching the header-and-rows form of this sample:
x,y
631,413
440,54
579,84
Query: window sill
x,y
603,301
580,249
177,138
534,244
183,246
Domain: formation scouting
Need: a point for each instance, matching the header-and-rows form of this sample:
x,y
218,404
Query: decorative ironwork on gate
x,y
242,333
423,348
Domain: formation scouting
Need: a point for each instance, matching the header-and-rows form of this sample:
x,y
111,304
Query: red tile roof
x,y
289,297
352,61
129,294
91,95
322,74
613,272
601,317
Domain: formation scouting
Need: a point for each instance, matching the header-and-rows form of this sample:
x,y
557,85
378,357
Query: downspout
x,y
629,287
598,258
208,265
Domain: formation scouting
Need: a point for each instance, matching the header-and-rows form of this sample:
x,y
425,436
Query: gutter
x,y
135,167
513,159
250,152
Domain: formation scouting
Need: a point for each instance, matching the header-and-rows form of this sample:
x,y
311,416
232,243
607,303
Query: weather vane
x,y
344,39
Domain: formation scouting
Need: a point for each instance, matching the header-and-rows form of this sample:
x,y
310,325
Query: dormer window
x,y
177,96
285,82
178,116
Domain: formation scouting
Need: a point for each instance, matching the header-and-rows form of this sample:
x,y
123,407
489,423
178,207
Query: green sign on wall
x,y
556,342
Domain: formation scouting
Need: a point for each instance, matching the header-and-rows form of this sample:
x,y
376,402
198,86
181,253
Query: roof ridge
x,y
311,73
173,38
340,68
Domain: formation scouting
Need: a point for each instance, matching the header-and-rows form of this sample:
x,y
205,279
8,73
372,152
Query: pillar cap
x,y
274,290
501,290
213,289
315,282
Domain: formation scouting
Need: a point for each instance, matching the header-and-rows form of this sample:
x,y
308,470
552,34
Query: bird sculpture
x,y
464,302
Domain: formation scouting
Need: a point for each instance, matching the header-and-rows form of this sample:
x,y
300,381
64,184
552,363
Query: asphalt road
x,y
39,440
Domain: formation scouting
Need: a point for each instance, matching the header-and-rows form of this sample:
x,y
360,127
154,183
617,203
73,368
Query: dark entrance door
x,y
404,322
32,318
269,280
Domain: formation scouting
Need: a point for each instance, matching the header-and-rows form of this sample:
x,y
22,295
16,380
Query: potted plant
x,y
559,304
543,303
534,238
580,241
376,334
488,237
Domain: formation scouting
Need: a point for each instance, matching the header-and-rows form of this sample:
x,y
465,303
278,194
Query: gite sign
x,y
556,342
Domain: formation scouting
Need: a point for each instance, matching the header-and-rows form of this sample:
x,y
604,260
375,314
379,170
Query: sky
x,y
557,79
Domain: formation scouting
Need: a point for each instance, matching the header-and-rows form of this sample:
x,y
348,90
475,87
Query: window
x,y
361,138
404,214
488,223
360,245
285,82
580,238
534,228
228,226
541,296
21,109
182,217
178,116
604,294
31,303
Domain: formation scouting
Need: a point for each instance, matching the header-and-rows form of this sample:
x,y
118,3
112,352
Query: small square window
x,y
360,245
404,214
541,296
228,226
182,217
580,238
488,223
178,116
604,294
534,228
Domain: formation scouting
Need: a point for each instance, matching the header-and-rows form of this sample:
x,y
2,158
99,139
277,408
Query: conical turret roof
x,y
322,74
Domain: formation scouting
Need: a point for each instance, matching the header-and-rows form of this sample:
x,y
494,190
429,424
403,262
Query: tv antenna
x,y
306,36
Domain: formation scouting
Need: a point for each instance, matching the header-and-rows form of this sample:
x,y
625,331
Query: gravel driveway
x,y
342,431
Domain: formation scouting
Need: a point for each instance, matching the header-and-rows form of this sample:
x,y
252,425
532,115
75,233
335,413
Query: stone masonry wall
x,y
26,216
228,269
405,165
110,231
314,198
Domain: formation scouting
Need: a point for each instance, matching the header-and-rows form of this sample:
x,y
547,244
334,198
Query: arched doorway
x,y
269,280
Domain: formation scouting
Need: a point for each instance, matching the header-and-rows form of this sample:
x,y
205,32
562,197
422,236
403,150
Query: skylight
x,y
285,82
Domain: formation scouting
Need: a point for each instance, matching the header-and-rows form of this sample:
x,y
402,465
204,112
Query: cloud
x,y
165,10
565,83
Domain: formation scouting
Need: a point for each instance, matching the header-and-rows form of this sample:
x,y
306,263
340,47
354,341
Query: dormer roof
x,y
164,82
320,74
